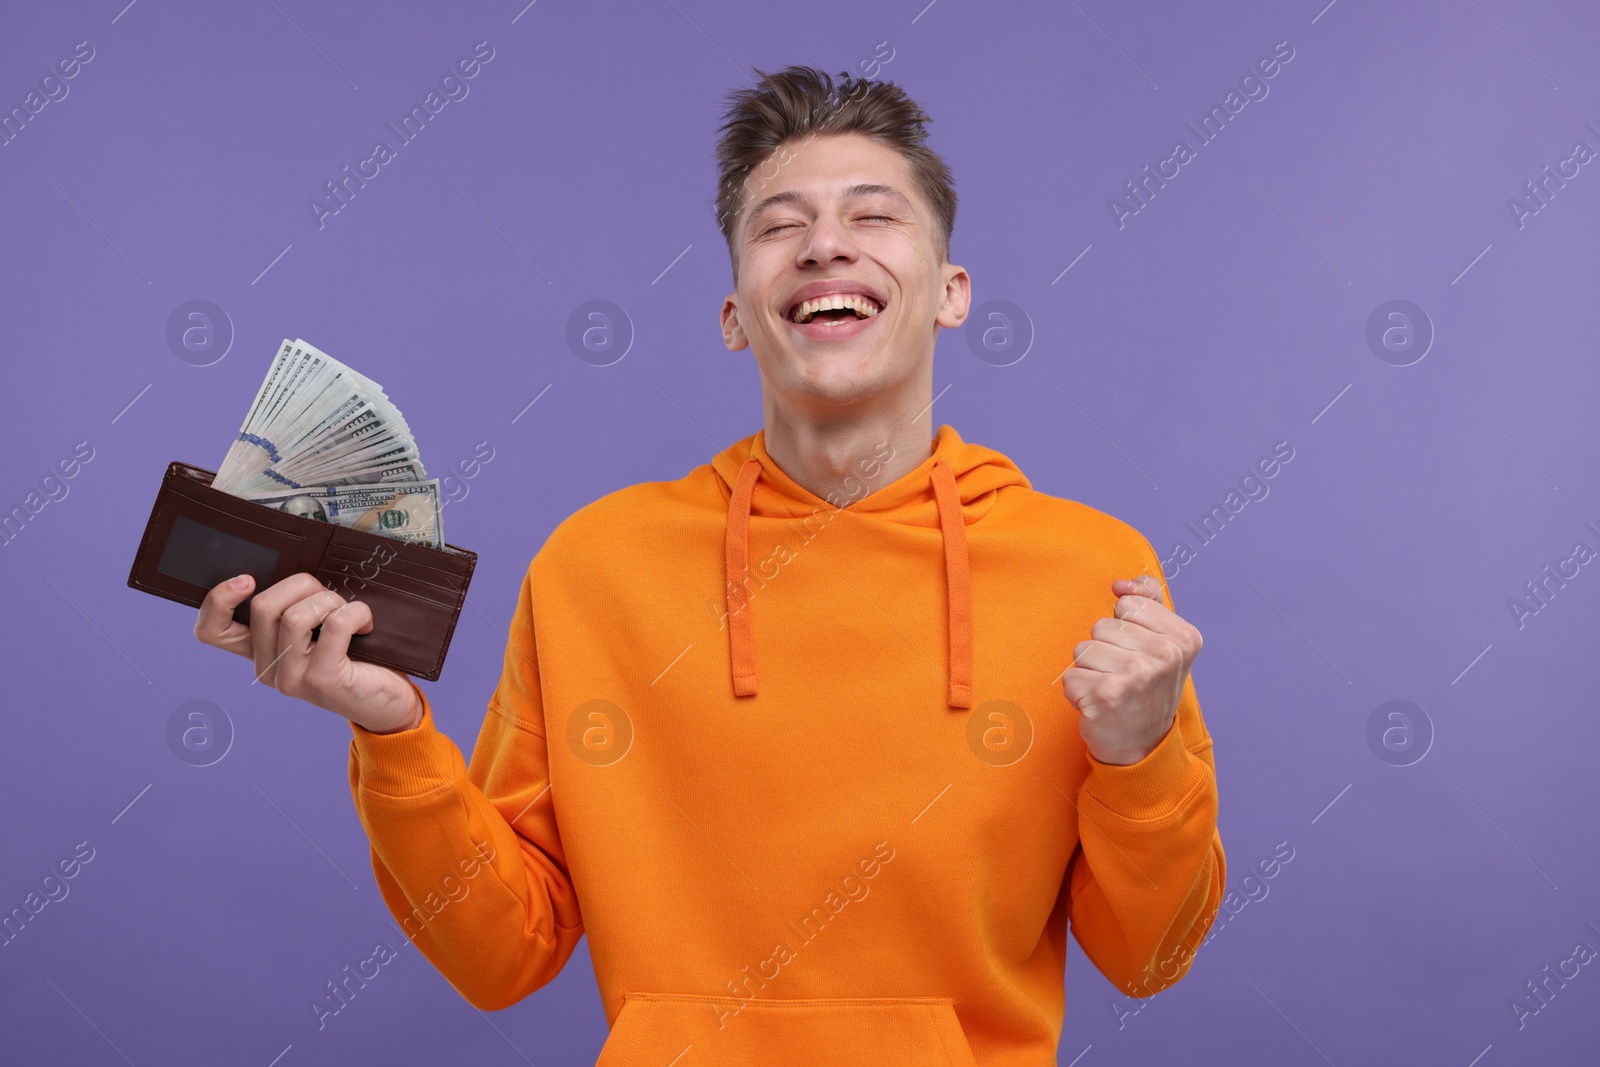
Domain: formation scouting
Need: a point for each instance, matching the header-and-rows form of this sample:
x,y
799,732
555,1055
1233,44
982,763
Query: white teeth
x,y
863,306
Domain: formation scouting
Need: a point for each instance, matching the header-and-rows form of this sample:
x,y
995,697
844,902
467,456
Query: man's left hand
x,y
1127,680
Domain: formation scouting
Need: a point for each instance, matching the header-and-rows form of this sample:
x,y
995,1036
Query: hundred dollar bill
x,y
406,511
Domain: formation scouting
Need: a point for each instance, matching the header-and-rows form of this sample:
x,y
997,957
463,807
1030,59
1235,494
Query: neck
x,y
844,457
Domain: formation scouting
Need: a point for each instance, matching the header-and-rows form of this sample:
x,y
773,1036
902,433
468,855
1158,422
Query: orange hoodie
x,y
804,775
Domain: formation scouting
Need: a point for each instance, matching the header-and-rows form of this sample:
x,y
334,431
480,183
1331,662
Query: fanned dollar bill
x,y
324,441
408,511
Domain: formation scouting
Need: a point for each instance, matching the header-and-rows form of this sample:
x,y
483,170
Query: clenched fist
x,y
319,672
1127,680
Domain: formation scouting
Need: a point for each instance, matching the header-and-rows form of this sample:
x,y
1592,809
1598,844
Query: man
x,y
825,744
308,507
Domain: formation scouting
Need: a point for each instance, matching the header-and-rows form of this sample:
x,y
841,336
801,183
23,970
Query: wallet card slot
x,y
204,555
303,539
190,547
447,566
380,563
413,630
353,582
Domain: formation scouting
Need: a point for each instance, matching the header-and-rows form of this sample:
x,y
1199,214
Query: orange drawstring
x,y
741,624
958,579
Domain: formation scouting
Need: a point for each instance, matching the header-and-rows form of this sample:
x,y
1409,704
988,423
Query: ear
x,y
732,332
957,297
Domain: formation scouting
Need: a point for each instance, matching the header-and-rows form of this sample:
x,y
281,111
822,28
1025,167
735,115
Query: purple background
x,y
1228,315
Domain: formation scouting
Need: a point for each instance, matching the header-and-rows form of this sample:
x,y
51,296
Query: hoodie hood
x,y
954,487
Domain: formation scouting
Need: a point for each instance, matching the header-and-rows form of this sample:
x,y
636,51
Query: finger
x,y
1080,687
295,642
1146,584
265,610
215,625
1134,638
333,644
1139,610
1141,586
1103,657
1155,626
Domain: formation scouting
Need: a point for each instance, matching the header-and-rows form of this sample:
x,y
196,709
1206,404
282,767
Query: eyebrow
x,y
860,189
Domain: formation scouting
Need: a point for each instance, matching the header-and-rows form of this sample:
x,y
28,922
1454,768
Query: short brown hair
x,y
804,102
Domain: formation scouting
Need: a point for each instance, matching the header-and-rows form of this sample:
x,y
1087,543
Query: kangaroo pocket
x,y
689,1030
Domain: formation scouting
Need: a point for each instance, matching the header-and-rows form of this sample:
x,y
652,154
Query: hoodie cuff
x,y
1153,788
405,762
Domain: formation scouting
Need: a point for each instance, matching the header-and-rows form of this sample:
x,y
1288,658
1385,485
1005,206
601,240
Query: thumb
x,y
236,591
366,626
215,624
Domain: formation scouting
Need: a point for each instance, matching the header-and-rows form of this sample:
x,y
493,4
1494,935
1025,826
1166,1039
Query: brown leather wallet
x,y
198,536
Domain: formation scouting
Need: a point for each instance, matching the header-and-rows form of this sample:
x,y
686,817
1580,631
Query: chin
x,y
838,381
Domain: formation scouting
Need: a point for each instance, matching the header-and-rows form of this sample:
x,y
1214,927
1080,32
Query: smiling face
x,y
839,214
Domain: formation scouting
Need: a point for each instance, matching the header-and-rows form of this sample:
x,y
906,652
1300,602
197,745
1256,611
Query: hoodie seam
x,y
1178,807
495,707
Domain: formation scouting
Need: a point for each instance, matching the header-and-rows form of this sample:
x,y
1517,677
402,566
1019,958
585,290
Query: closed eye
x,y
789,225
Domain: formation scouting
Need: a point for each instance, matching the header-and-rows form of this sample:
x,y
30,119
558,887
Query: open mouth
x,y
834,310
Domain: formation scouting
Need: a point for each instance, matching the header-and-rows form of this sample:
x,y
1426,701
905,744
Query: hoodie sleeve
x,y
1148,879
469,860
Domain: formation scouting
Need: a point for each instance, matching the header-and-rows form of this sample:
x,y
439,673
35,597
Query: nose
x,y
828,239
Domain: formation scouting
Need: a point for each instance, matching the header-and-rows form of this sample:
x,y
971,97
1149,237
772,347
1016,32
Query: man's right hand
x,y
320,672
